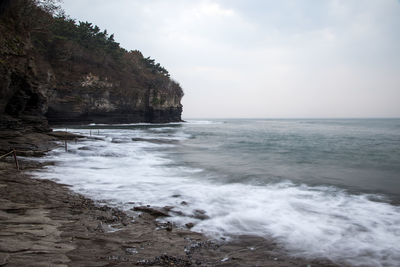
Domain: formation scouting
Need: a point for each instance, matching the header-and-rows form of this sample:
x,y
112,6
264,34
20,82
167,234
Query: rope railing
x,y
33,151
5,155
14,152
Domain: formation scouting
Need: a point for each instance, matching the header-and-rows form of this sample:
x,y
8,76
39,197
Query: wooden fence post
x,y
15,158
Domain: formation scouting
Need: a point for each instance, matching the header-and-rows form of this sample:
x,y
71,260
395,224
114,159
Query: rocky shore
x,y
43,223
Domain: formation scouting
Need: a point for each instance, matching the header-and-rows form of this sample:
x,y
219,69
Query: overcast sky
x,y
265,58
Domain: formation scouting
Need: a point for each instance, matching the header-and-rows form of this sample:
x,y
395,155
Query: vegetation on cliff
x,y
74,72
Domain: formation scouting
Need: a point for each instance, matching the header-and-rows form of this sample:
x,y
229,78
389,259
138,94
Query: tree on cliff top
x,y
62,39
50,6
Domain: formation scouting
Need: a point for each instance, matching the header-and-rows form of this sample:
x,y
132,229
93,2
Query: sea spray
x,y
309,185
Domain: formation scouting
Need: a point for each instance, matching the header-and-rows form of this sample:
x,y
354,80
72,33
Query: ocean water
x,y
320,188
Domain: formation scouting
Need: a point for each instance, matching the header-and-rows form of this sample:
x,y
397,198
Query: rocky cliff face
x,y
46,76
22,98
101,97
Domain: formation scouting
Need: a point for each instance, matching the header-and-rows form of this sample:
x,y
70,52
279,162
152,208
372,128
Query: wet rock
x,y
64,135
156,212
200,214
155,141
184,203
179,213
169,226
200,211
85,148
12,245
120,140
131,251
189,225
165,260
4,258
194,246
15,211
99,228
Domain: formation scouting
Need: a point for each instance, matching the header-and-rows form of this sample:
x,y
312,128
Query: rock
x,y
200,214
165,260
169,226
156,212
120,140
200,211
155,141
184,203
4,258
85,148
40,84
189,225
179,213
65,135
131,251
12,245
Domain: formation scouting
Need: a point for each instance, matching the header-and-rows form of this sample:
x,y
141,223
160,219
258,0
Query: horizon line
x,y
287,118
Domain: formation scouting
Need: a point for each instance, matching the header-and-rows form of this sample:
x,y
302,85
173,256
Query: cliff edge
x,y
56,70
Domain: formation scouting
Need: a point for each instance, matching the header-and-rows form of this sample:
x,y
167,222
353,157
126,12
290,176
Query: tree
x,y
50,6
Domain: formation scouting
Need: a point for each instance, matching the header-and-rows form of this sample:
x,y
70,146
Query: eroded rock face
x,y
67,83
102,99
22,102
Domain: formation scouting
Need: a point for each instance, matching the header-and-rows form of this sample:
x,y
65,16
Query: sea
x,y
325,188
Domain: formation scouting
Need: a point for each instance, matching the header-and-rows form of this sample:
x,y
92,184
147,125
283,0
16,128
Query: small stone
x,y
169,227
200,211
224,259
156,212
131,251
201,215
189,225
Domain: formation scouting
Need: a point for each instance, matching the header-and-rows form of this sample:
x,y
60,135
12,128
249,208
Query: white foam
x,y
202,122
133,124
309,221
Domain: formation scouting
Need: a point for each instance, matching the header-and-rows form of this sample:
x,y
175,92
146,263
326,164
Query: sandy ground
x,y
43,223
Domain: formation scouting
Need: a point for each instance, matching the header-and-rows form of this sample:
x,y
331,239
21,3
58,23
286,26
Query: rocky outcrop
x,y
46,76
103,99
22,99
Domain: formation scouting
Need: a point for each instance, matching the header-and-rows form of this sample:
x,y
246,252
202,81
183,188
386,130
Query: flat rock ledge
x,y
43,223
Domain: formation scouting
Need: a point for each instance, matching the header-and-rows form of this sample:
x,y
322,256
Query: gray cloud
x,y
238,58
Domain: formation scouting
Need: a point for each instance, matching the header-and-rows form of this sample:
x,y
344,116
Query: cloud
x,y
213,9
264,58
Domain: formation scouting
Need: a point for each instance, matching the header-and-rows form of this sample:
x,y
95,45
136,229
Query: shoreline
x,y
46,223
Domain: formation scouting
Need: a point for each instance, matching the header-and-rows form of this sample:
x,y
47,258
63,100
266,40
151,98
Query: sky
x,y
265,58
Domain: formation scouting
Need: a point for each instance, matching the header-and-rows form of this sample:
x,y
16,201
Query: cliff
x,y
54,69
